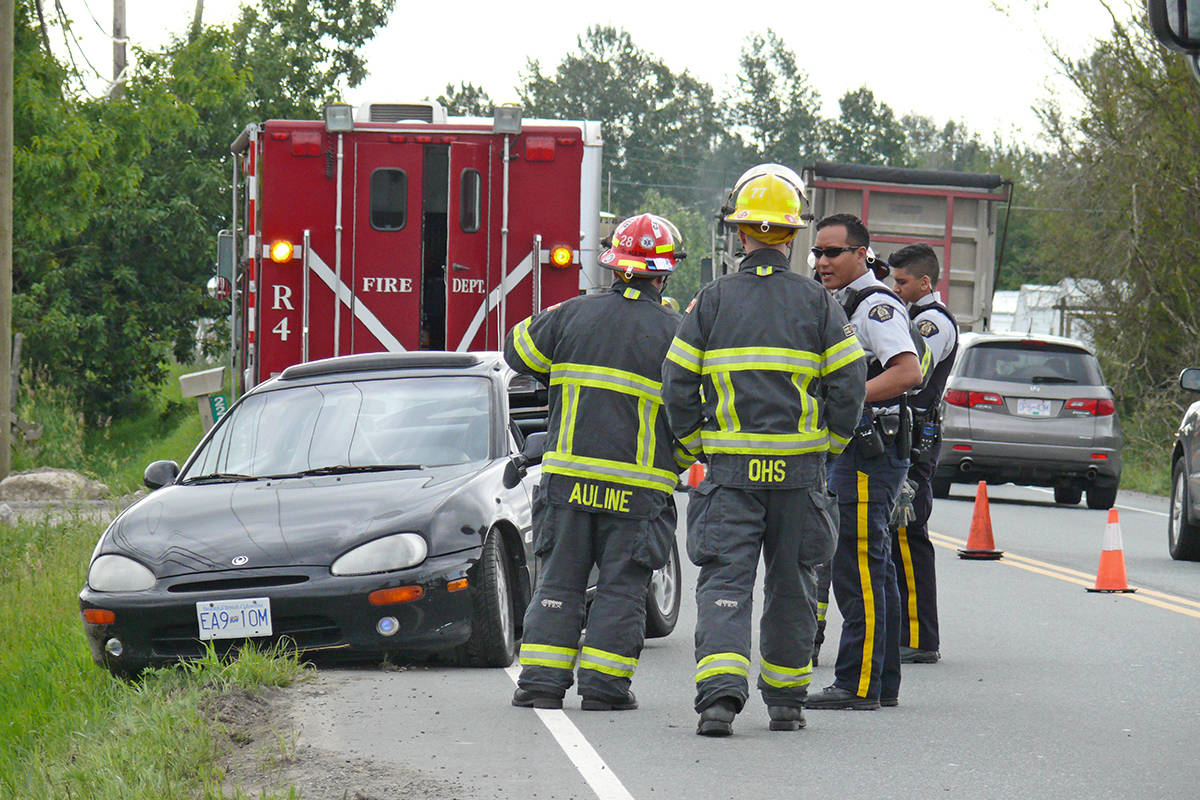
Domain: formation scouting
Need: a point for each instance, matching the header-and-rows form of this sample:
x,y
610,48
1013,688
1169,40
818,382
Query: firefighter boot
x,y
626,703
717,719
524,698
786,718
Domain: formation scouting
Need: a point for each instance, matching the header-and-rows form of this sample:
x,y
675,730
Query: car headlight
x,y
389,553
119,574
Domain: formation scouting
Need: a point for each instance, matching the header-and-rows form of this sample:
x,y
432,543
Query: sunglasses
x,y
833,252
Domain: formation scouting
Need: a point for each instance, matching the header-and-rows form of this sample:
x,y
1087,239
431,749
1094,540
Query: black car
x,y
357,505
1183,525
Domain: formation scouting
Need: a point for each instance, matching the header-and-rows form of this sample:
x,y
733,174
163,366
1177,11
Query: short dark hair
x,y
919,259
856,233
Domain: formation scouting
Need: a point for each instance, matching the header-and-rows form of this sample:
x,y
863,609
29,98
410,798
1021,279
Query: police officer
x,y
763,379
608,474
915,272
867,475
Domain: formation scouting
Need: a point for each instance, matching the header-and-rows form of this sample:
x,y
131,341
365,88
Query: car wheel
x,y
1183,538
662,597
941,487
1101,497
493,640
1069,495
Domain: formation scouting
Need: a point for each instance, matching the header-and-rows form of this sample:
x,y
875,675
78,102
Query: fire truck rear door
x,y
467,274
384,249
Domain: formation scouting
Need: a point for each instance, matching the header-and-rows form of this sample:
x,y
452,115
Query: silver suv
x,y
1031,410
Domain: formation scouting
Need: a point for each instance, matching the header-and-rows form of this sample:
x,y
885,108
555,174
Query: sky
x,y
985,63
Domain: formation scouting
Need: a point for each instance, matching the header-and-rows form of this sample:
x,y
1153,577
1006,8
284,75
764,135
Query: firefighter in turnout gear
x,y
866,477
764,378
915,271
608,474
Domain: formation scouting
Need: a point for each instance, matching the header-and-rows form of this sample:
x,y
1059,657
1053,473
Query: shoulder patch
x,y
848,330
690,306
927,328
881,313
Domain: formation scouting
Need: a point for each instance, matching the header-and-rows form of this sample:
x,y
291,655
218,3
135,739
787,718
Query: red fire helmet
x,y
646,246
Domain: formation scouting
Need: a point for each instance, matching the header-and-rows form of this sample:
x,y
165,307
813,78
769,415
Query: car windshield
x,y
399,423
1032,361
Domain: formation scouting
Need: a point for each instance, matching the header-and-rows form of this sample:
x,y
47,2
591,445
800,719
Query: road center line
x,y
599,776
1151,597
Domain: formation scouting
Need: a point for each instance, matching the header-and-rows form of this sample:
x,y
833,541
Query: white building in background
x,y
1057,310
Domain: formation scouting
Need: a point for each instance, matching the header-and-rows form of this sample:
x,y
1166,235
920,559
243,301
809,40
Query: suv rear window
x,y
1032,362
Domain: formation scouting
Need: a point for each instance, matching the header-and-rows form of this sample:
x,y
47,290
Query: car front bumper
x,y
311,610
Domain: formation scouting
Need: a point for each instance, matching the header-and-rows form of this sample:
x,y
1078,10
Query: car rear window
x,y
1032,362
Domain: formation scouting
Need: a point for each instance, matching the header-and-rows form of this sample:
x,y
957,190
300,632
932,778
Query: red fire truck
x,y
399,228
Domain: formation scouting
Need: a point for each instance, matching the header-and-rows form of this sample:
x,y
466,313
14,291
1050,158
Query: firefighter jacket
x,y
764,377
609,447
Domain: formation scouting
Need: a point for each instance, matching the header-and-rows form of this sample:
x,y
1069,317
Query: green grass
x,y
67,728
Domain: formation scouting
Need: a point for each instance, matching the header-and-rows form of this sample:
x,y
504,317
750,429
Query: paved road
x,y
1045,691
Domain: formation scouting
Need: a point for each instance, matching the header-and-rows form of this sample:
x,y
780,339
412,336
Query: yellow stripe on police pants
x,y
864,579
914,635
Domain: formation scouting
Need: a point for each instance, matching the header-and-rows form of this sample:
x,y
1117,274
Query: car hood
x,y
300,521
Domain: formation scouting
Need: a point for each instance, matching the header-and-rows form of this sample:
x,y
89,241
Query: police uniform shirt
x,y
880,321
940,336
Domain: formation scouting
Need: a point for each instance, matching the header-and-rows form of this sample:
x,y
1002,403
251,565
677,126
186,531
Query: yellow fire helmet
x,y
767,207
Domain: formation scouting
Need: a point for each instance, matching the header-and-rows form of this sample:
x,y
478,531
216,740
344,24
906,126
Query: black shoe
x,y
834,697
889,702
717,719
523,698
786,718
911,655
597,703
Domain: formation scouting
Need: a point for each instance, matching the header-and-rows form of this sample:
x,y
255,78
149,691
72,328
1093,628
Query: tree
x,y
867,132
466,100
774,109
659,127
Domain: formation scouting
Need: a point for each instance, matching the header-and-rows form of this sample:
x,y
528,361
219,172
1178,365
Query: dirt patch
x,y
266,754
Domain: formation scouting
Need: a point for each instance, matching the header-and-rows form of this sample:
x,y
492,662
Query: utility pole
x,y
119,39
6,224
197,21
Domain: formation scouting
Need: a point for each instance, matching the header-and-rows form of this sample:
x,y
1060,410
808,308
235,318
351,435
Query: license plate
x,y
1030,407
234,619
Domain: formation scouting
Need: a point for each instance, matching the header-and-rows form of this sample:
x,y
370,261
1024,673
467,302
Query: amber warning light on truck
x,y
561,257
281,252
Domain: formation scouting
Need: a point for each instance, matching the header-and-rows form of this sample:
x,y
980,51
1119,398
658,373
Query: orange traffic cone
x,y
1110,577
979,542
696,473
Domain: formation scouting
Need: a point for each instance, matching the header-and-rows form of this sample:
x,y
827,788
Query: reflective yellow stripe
x,y
615,380
847,351
566,425
779,444
780,359
808,422
926,362
910,586
691,441
784,677
722,664
685,355
647,414
864,579
727,418
822,610
631,293
665,248
608,663
683,458
527,350
548,655
602,469
763,271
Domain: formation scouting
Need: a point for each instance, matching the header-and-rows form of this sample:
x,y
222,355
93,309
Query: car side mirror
x,y
160,473
1190,379
1176,23
518,465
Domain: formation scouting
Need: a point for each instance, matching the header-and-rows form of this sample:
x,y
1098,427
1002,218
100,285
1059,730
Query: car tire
x,y
1101,497
1183,538
662,597
941,487
493,626
1069,495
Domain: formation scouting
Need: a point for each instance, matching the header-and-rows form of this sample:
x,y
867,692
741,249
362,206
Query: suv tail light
x,y
957,397
1097,407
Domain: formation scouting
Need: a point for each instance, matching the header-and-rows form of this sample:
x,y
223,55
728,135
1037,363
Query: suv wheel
x,y
1101,497
1183,538
1069,495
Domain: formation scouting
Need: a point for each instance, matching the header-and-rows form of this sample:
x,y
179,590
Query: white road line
x,y
598,775
1125,508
